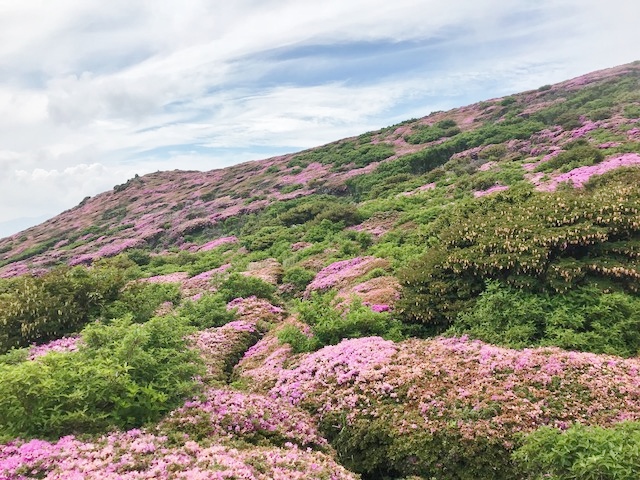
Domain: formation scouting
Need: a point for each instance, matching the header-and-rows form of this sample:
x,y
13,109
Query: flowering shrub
x,y
67,344
261,364
580,175
552,242
222,347
136,455
341,272
452,407
216,243
224,415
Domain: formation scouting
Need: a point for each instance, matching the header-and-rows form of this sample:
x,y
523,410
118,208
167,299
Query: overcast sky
x,y
93,92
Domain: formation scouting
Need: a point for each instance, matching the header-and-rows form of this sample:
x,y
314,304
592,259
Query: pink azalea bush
x,y
337,378
221,347
66,344
579,176
216,243
224,415
176,277
422,394
343,271
584,129
138,455
489,191
255,309
261,364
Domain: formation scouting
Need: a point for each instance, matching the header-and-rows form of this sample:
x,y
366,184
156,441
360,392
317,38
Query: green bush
x,y
208,311
329,325
427,133
298,277
237,285
141,300
375,448
38,309
127,375
539,242
580,452
581,319
140,257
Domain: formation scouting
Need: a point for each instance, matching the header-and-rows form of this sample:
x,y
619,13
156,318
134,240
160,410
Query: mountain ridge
x,y
208,198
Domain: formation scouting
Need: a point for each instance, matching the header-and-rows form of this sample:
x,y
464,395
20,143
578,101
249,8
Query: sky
x,y
94,92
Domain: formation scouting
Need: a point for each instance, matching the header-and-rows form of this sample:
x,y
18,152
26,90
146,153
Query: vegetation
x,y
124,376
451,297
588,453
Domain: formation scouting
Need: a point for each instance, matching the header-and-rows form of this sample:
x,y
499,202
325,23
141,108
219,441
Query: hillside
x,y
450,297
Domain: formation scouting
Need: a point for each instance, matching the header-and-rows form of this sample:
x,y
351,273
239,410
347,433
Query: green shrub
x,y
38,309
208,311
581,319
291,188
138,256
329,325
427,133
580,452
237,285
266,237
539,242
632,111
141,300
298,277
127,375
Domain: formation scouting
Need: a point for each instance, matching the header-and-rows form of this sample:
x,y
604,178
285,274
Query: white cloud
x,y
92,92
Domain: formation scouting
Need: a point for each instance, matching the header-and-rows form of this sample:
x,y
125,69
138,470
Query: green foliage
x,y
364,186
598,96
38,309
237,285
266,237
298,277
375,448
138,256
582,319
141,300
576,156
291,188
533,241
632,111
428,133
315,210
208,311
323,231
330,325
31,252
126,375
360,153
581,452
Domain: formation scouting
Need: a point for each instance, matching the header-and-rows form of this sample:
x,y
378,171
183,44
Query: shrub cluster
x,y
124,375
539,242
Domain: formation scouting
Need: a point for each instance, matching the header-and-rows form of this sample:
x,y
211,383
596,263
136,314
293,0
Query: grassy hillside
x,y
451,297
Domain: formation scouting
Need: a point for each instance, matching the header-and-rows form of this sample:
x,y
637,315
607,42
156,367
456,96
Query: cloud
x,y
92,92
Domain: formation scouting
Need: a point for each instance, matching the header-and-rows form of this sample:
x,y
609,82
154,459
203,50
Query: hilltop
x,y
453,296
